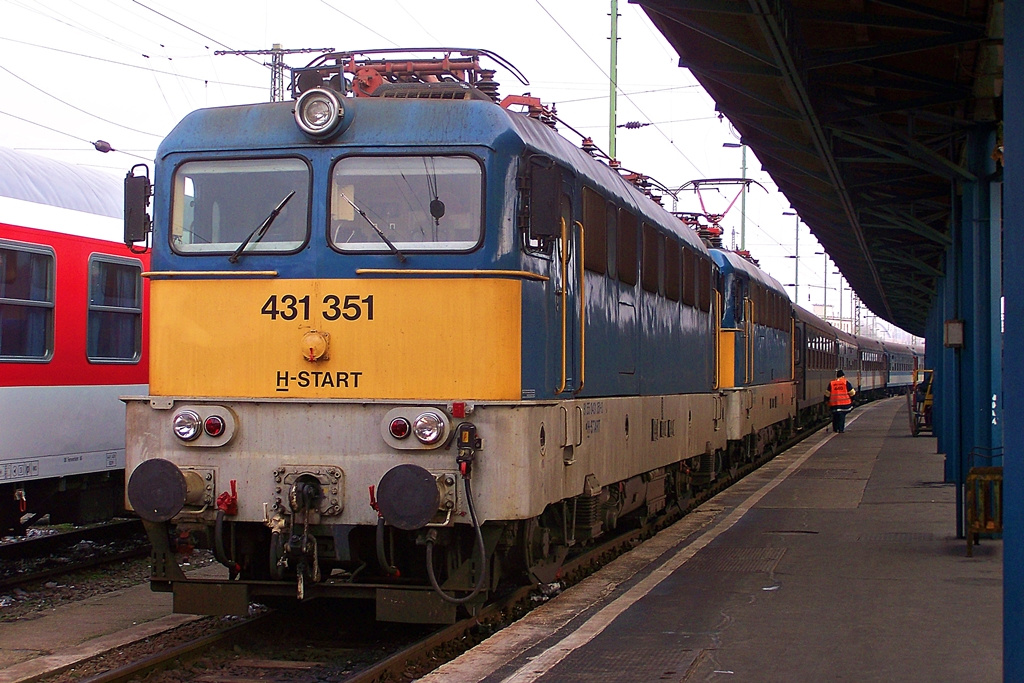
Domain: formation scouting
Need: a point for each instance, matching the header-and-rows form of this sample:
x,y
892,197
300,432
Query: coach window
x,y
626,255
420,203
114,330
26,302
653,247
595,214
216,205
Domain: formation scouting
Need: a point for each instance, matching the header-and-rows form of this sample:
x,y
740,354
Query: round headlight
x,y
428,428
318,112
187,425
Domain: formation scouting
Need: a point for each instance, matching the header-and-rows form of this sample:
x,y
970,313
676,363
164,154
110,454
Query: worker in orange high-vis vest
x,y
840,398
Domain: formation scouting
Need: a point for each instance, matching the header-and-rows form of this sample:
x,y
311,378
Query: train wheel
x,y
542,551
680,488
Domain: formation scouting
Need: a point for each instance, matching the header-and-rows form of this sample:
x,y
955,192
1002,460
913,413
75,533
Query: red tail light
x,y
214,425
399,428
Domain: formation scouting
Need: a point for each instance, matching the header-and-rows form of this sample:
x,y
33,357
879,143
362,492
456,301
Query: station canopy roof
x,y
860,112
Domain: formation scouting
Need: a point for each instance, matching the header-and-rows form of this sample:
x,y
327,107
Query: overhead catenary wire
x,y
76,108
198,33
418,23
353,19
61,132
618,89
132,66
635,92
60,18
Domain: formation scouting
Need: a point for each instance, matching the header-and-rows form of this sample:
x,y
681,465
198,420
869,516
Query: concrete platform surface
x,y
47,642
837,561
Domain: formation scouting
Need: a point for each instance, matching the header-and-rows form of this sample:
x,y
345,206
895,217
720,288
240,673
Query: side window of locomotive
x,y
26,302
611,219
217,204
689,277
756,302
738,295
626,252
420,203
595,230
704,293
653,248
114,328
673,261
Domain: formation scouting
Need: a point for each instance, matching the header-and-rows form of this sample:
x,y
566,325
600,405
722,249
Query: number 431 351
x,y
332,307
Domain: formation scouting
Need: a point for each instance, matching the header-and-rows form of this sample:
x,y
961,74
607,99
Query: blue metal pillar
x,y
933,359
1013,362
947,368
979,292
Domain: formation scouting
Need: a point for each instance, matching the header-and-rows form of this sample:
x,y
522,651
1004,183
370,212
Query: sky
x,y
126,71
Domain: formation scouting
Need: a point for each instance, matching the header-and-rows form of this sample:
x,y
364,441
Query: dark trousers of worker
x,y
839,418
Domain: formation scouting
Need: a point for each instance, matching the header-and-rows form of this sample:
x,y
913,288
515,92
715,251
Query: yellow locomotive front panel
x,y
393,339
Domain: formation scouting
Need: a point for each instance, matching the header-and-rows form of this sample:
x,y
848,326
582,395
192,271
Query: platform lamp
x,y
743,193
824,289
796,256
836,272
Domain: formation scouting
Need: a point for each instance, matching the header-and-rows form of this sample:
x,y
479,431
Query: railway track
x,y
426,648
41,557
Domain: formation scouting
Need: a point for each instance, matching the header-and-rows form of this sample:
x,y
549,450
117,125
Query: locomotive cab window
x,y
218,204
26,302
420,203
114,332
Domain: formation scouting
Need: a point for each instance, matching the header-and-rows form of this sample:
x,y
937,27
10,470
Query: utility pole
x,y
743,192
613,72
743,204
277,65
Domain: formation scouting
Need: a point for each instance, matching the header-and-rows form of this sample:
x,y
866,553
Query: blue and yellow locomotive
x,y
407,343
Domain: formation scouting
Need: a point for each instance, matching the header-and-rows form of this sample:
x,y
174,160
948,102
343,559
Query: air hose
x,y
218,547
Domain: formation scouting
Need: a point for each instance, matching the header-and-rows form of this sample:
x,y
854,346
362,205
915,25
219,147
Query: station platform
x,y
837,561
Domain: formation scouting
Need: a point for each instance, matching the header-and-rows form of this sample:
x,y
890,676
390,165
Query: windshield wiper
x,y
392,247
261,230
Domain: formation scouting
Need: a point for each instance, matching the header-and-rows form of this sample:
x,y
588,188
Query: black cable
x,y
483,558
218,547
386,566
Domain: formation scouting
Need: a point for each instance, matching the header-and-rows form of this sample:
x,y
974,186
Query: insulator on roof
x,y
487,85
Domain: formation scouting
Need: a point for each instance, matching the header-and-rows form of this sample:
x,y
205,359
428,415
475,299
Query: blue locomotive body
x,y
409,343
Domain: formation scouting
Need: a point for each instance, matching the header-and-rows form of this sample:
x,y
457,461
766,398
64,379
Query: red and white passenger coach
x,y
72,340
